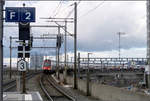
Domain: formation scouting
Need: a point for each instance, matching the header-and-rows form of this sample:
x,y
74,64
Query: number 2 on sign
x,y
28,15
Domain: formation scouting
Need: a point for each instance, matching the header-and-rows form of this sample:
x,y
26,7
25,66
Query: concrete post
x,y
10,57
58,54
88,78
24,72
79,65
56,62
1,49
148,43
75,45
18,86
65,70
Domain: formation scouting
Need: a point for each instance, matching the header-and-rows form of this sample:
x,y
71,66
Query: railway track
x,y
11,84
44,89
53,91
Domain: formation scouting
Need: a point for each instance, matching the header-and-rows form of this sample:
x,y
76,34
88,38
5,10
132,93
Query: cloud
x,y
101,27
97,31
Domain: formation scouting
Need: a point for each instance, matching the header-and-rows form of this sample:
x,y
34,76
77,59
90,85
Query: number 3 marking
x,y
28,15
22,66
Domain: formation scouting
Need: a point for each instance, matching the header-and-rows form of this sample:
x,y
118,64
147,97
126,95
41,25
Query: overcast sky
x,y
98,25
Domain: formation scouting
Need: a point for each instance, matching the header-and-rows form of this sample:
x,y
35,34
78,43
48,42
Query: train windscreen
x,y
46,64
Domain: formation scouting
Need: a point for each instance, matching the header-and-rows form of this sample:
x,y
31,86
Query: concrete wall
x,y
109,93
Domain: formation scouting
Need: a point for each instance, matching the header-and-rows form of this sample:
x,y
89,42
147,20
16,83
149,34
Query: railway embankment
x,y
106,92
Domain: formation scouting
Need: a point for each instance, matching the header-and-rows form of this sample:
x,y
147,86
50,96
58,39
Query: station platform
x,y
17,96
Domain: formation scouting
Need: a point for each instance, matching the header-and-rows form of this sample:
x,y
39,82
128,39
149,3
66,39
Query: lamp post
x,y
119,34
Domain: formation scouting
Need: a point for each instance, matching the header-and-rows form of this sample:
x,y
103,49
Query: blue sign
x,y
20,14
28,14
12,14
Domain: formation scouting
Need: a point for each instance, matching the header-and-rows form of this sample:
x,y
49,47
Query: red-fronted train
x,y
47,66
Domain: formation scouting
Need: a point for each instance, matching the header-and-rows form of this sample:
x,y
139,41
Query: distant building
x,y
36,61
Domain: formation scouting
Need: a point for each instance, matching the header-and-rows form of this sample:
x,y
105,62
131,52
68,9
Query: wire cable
x,y
57,8
91,10
73,9
69,13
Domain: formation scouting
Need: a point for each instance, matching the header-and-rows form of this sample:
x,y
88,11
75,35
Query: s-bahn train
x,y
47,66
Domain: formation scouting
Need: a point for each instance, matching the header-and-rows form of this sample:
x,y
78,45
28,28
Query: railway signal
x,y
23,15
59,41
23,51
24,31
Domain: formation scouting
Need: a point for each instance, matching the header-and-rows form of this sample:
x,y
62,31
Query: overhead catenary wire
x,y
58,8
54,11
66,17
64,29
91,10
69,14
64,9
61,27
60,3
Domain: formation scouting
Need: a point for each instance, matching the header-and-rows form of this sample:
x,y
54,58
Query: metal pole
x,y
75,45
10,57
148,43
24,82
88,78
36,57
56,63
23,72
79,65
1,50
29,63
18,82
67,61
119,34
71,59
58,53
119,44
65,71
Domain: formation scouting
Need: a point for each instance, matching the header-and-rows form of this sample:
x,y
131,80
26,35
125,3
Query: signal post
x,y
22,15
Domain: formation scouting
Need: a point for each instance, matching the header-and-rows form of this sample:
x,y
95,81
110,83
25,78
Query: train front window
x,y
46,64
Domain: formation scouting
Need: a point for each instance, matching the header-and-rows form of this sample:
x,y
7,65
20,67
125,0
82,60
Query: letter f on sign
x,y
12,14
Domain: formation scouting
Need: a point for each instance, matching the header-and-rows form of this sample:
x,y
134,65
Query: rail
x,y
44,89
11,84
60,89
